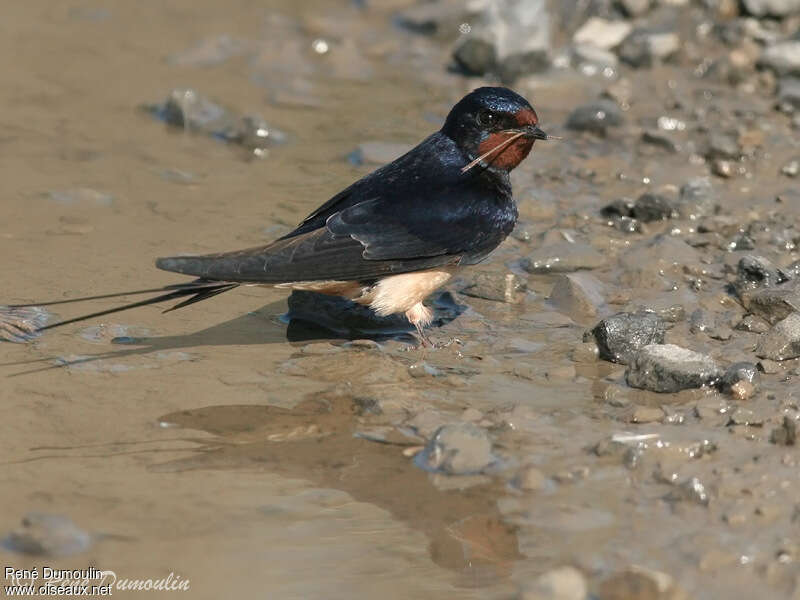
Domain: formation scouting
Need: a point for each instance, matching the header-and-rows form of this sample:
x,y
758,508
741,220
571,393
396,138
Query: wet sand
x,y
214,448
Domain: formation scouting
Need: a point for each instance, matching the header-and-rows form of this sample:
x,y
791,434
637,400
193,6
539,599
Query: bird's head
x,y
495,125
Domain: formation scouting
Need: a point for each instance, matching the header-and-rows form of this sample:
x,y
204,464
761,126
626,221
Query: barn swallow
x,y
396,235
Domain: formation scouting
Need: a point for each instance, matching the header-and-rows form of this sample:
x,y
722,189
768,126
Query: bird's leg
x,y
420,316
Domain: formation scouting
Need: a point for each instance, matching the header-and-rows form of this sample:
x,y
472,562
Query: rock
x,y
774,304
602,33
753,324
44,534
377,153
786,434
738,372
192,111
476,57
457,449
647,414
596,117
714,326
660,140
782,57
653,207
789,95
563,257
634,8
587,57
515,32
771,8
643,47
667,368
430,18
755,272
531,479
791,169
721,145
723,168
638,583
782,341
742,390
577,294
499,287
621,336
770,367
563,583
697,198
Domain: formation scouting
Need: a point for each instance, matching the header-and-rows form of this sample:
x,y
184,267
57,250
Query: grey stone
x,y
740,371
653,207
723,168
782,57
587,54
634,8
722,145
755,272
788,99
518,32
45,534
596,117
643,47
563,583
563,257
782,341
772,8
697,198
660,140
191,111
774,304
602,33
621,336
578,294
457,449
791,169
668,368
476,56
499,287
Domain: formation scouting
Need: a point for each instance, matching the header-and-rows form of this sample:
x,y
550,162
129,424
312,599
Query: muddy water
x,y
214,448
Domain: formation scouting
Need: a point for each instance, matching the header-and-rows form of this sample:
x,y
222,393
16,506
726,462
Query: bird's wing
x,y
362,242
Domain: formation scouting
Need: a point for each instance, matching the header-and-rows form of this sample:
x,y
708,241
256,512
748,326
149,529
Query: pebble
x,y
788,99
786,434
697,198
740,372
782,341
783,58
769,367
602,33
639,583
531,479
774,304
791,169
457,449
723,168
647,414
563,583
621,336
634,8
562,257
771,8
668,368
45,534
578,294
642,48
498,287
596,117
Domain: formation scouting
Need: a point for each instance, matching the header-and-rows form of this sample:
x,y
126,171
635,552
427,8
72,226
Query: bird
x,y
393,237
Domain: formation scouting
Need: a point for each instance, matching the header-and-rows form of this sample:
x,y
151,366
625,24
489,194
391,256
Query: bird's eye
x,y
486,118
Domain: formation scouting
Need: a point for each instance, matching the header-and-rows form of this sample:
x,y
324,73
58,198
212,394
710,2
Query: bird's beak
x,y
533,131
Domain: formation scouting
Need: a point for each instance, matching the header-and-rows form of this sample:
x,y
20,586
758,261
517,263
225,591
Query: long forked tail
x,y
194,291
